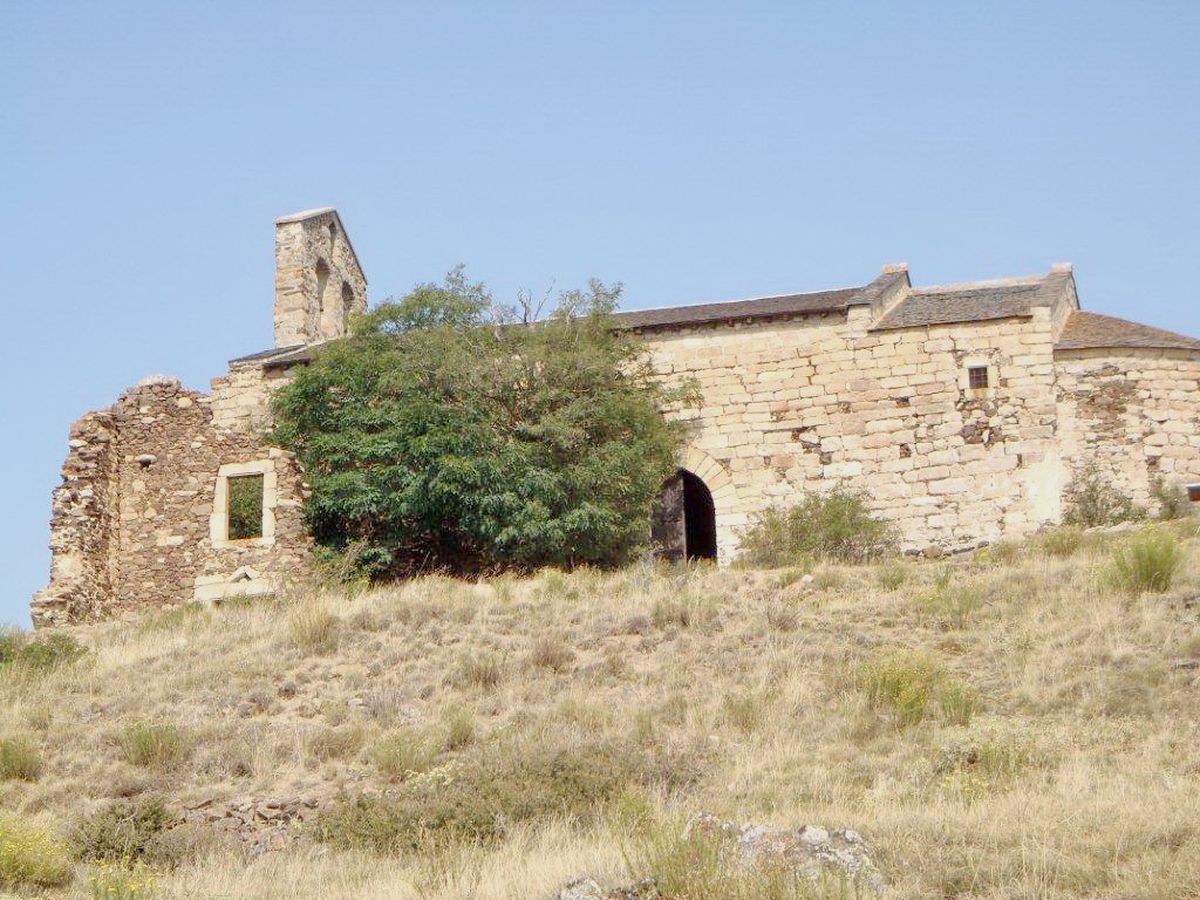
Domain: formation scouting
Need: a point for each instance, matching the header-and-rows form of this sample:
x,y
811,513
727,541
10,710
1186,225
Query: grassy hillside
x,y
1021,723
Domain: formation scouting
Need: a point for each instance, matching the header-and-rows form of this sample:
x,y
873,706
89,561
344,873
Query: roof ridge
x,y
1017,281
305,214
755,299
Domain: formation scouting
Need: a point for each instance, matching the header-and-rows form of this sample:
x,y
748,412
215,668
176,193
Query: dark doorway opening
x,y
699,518
686,527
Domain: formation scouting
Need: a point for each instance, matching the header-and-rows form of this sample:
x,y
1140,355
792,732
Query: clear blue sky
x,y
694,151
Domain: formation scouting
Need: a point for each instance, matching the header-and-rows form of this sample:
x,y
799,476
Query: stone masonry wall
x,y
799,405
318,281
241,399
789,405
143,537
1134,413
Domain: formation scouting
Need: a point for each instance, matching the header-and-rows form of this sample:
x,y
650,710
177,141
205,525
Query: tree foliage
x,y
445,433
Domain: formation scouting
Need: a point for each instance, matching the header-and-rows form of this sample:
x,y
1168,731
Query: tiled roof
x,y
975,302
1089,331
276,356
761,307
667,317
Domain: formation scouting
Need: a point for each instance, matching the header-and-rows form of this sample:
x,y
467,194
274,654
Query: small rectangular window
x,y
977,377
1194,492
245,507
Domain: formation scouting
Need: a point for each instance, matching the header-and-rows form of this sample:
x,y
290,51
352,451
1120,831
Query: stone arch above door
x,y
714,475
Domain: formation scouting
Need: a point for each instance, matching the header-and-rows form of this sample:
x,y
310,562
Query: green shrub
x,y
31,858
123,881
339,742
958,702
951,604
835,526
313,629
1062,542
483,670
1004,552
997,750
744,710
1091,500
155,745
1173,500
43,653
480,798
782,616
460,728
912,685
684,611
788,577
1147,563
442,442
20,759
122,833
892,576
402,754
551,652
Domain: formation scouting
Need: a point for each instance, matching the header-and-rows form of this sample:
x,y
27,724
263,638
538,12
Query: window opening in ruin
x,y
245,507
347,301
977,377
322,279
1194,492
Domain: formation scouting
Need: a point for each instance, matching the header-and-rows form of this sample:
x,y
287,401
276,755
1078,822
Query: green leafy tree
x,y
445,433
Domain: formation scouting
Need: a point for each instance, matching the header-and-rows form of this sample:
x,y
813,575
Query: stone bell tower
x,y
319,284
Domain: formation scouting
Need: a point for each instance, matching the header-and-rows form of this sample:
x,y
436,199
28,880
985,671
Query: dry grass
x,y
1037,739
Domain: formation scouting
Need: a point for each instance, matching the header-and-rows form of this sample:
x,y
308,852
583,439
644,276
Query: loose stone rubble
x,y
260,825
811,851
835,858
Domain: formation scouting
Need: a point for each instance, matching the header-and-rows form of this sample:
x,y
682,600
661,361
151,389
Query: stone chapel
x,y
962,410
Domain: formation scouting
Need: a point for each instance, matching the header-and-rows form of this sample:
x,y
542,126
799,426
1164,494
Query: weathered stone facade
x,y
963,412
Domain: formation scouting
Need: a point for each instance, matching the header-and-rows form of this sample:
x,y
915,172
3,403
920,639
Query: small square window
x,y
977,377
245,507
1194,492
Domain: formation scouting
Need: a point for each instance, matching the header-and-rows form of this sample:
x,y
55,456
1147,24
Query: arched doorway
x,y
686,527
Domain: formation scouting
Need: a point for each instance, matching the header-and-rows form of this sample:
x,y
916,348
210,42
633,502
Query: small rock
x,y
288,689
587,889
582,889
811,851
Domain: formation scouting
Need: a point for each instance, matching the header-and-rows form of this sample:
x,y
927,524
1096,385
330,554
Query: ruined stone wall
x,y
82,527
147,533
1134,413
241,399
798,405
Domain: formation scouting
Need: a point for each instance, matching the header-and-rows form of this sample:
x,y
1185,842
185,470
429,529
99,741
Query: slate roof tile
x,y
1093,331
